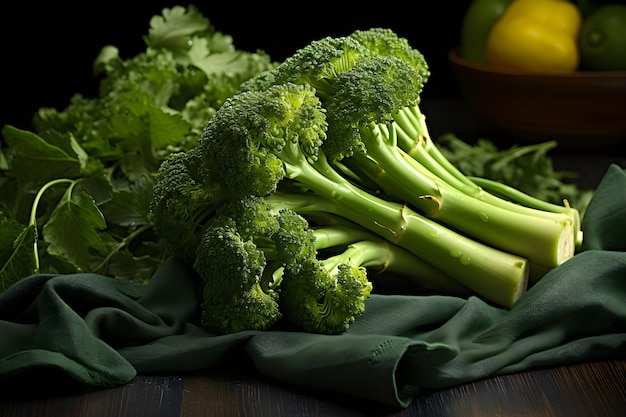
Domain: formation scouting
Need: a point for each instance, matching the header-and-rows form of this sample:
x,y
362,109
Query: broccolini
x,y
334,132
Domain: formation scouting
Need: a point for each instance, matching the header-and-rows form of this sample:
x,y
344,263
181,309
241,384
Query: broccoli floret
x,y
313,296
385,84
185,196
257,138
237,258
235,295
258,261
385,42
316,64
181,199
321,299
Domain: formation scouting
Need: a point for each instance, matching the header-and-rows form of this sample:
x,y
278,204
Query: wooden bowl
x,y
585,107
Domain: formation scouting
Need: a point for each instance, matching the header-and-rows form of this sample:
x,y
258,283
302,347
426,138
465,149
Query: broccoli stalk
x,y
545,238
521,199
342,241
413,137
380,257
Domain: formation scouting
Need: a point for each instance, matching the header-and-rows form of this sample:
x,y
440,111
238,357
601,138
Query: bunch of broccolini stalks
x,y
320,172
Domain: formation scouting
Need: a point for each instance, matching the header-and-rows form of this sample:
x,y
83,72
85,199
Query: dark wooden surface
x,y
594,389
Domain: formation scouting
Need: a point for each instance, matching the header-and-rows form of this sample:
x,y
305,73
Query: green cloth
x,y
102,332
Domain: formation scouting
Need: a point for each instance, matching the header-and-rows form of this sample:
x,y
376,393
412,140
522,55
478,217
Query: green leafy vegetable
x,y
16,252
527,168
35,161
75,191
73,228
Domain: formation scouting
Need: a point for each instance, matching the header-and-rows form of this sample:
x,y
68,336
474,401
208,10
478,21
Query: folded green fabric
x,y
102,332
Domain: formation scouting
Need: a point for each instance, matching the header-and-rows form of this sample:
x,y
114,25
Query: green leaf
x,y
166,129
231,62
73,229
9,197
17,254
98,188
174,27
134,166
144,126
130,207
51,264
82,156
124,265
34,161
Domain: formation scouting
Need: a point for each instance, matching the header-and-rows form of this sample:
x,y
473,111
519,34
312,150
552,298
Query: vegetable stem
x,y
119,246
544,238
33,214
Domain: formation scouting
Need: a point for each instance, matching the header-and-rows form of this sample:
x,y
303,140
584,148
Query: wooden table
x,y
580,390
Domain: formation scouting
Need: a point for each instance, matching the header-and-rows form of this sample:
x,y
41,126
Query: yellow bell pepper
x,y
538,36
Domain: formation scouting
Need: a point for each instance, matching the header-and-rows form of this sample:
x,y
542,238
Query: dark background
x,y
47,48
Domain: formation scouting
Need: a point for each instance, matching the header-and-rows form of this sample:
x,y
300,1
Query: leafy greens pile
x,y
75,191
527,168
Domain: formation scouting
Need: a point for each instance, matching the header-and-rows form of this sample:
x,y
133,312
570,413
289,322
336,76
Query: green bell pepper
x,y
476,25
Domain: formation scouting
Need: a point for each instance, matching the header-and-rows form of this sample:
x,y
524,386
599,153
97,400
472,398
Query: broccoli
x,y
321,137
255,256
315,296
236,286
321,299
183,199
235,254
